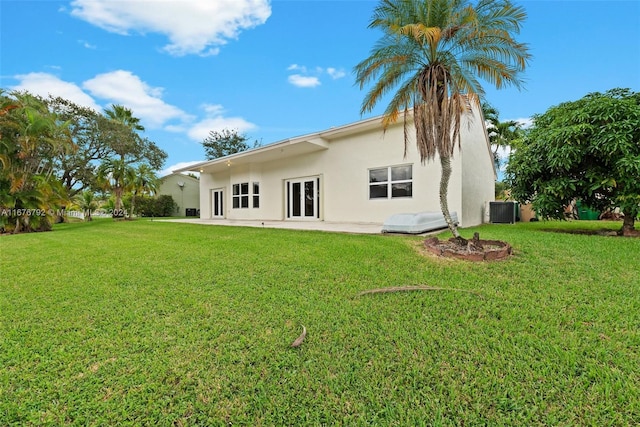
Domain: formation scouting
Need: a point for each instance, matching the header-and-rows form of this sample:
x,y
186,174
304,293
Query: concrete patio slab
x,y
337,227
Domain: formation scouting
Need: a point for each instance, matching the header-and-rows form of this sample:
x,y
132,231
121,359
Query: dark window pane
x,y
401,190
378,191
256,201
256,188
236,202
295,195
244,188
236,189
308,198
400,173
318,197
245,201
378,175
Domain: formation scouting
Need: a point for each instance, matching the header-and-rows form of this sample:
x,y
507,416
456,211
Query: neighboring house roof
x,y
300,145
180,176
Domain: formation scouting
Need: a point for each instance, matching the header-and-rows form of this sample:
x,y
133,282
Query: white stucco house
x,y
352,173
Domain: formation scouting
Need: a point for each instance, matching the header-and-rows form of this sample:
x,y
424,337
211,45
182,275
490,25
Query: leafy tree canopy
x,y
588,150
88,130
30,137
225,142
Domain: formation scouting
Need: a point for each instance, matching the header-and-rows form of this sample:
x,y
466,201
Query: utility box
x,y
503,212
191,212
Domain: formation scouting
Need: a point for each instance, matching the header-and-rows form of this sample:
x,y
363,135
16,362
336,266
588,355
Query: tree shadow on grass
x,y
593,232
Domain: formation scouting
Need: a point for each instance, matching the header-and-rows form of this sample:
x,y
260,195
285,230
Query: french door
x,y
303,198
217,203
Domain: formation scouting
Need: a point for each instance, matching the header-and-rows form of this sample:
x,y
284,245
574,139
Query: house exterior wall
x,y
343,169
479,175
187,198
341,159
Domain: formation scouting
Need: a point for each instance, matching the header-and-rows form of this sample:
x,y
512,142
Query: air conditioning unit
x,y
503,212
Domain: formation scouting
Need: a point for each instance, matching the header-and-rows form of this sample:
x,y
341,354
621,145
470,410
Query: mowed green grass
x,y
154,323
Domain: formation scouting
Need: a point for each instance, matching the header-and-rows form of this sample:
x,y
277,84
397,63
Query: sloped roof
x,y
286,148
304,144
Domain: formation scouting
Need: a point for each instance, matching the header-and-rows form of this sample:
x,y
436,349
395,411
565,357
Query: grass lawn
x,y
145,323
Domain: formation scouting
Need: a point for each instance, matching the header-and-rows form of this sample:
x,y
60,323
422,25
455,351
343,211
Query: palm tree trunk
x,y
118,211
445,162
133,205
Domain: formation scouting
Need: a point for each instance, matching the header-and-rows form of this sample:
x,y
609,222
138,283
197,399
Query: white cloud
x,y
124,87
169,169
216,121
45,84
87,45
311,78
335,73
303,81
192,26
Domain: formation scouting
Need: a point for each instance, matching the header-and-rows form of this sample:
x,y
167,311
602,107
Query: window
x,y
240,195
256,194
390,182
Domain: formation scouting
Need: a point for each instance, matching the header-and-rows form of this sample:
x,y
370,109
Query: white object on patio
x,y
416,223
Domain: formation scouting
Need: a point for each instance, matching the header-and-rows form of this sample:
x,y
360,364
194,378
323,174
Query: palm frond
x,y
434,54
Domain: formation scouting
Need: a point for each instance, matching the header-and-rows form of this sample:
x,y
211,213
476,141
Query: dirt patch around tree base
x,y
476,250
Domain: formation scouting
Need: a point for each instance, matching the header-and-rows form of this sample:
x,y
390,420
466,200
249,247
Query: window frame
x,y
389,182
240,198
243,192
255,194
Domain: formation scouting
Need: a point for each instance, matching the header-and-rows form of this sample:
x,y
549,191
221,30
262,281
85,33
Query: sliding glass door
x,y
303,198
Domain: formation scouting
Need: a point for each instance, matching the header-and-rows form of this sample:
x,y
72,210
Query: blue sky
x,y
275,69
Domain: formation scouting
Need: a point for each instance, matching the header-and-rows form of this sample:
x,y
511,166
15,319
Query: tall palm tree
x,y
124,134
144,182
87,202
501,134
123,115
116,175
435,52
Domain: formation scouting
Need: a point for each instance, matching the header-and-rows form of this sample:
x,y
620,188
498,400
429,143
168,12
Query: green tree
x,y
91,135
588,150
126,142
225,142
30,137
144,183
115,175
87,202
117,172
434,52
122,114
501,134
